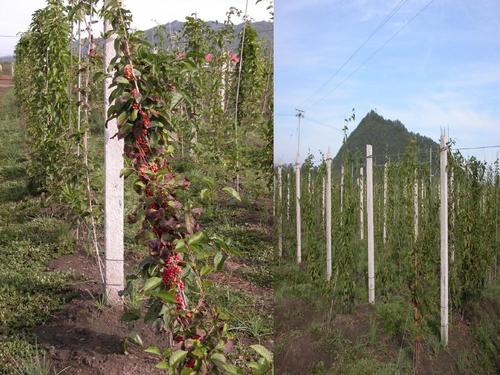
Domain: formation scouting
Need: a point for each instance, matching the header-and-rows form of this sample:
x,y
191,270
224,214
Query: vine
x,y
181,254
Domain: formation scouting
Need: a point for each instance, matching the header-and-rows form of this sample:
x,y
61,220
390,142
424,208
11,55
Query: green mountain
x,y
388,138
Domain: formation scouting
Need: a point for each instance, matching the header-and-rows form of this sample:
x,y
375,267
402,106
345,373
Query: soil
x,y
85,338
5,83
302,335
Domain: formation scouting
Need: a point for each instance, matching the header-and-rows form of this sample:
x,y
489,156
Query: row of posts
x,y
327,201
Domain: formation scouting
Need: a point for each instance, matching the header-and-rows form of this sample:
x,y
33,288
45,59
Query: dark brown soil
x,y
85,338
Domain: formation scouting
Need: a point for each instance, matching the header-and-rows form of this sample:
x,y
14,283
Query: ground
x,y
52,312
374,339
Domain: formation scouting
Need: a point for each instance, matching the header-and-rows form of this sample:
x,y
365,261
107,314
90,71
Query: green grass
x,y
28,240
248,315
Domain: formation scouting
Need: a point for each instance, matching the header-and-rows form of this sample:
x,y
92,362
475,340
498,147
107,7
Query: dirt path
x,y
5,83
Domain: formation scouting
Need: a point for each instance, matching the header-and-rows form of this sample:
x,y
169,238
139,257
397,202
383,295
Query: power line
x,y
373,54
321,123
379,26
10,36
475,148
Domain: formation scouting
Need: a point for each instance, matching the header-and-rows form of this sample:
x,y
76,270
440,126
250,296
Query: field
x,y
55,313
328,327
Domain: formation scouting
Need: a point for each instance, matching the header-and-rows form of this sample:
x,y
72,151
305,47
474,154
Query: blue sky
x,y
442,70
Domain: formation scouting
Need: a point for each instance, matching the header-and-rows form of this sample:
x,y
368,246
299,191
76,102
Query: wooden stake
x,y
280,213
328,216
288,187
443,210
361,204
323,210
415,204
341,188
297,211
384,234
274,195
371,237
113,188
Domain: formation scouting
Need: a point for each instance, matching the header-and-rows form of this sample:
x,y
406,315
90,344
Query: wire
x,y
322,124
10,36
379,26
373,54
475,148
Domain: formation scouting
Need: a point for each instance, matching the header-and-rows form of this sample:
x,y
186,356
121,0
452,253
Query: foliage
x,y
42,66
181,255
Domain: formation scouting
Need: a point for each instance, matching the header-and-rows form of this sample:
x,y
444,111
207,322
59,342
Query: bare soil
x,y
85,338
5,83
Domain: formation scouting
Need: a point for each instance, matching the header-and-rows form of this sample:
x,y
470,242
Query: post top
x,y
328,154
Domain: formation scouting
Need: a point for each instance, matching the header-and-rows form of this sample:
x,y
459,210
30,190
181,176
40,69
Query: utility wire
x,y
321,123
475,148
379,26
372,55
10,36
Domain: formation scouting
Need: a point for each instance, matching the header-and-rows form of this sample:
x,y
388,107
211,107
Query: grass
x,y
247,312
28,240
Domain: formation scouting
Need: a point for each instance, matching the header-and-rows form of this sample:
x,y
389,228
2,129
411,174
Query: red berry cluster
x,y
172,273
128,72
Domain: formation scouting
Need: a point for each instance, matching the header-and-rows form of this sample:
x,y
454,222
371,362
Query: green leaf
x,y
263,351
121,79
136,339
229,190
219,360
205,270
167,296
195,238
232,369
162,365
152,283
219,261
133,115
130,315
153,350
122,118
179,245
177,357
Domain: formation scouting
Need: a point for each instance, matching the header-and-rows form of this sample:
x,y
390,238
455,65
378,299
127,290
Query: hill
x,y
264,29
387,138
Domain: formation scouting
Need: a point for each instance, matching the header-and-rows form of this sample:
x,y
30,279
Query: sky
x,y
440,70
16,17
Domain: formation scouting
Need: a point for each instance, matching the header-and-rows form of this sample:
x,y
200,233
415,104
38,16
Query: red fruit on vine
x,y
190,363
135,93
209,57
135,105
154,167
178,338
235,59
128,72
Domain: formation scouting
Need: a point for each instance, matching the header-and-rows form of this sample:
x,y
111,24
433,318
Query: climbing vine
x,y
181,254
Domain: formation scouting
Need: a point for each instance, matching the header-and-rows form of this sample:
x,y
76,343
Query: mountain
x,y
387,138
264,28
